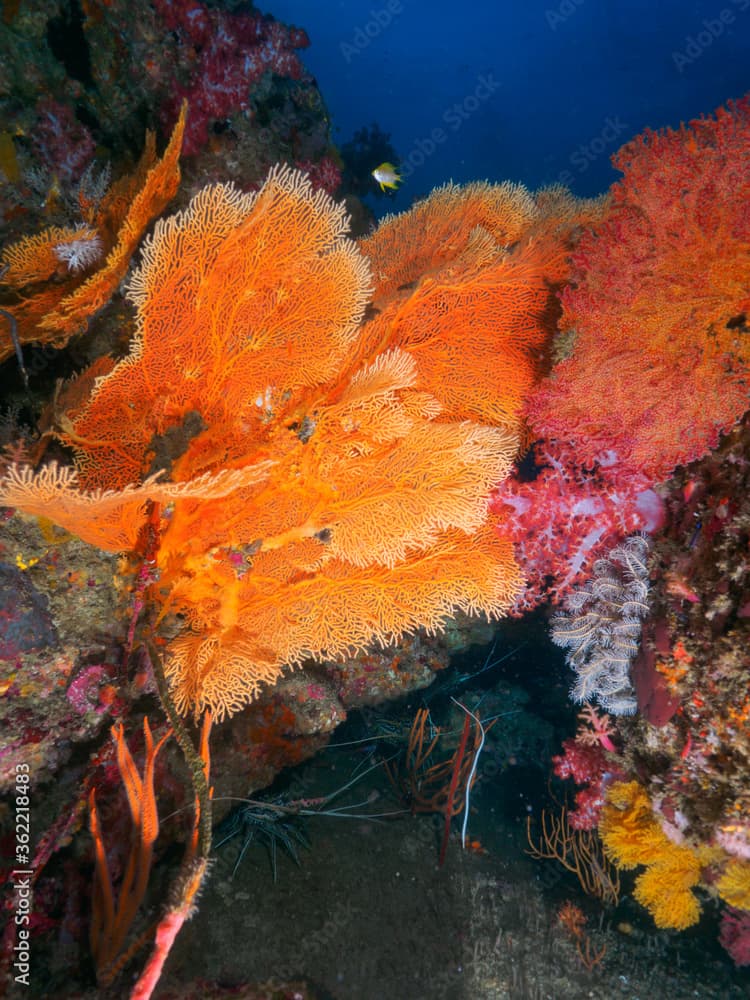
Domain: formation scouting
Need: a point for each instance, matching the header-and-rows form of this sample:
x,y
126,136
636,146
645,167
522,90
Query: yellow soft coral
x,y
664,888
734,884
632,836
627,828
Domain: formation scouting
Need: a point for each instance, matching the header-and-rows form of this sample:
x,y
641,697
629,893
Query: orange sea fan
x,y
476,330
160,181
110,519
466,282
356,536
406,248
37,258
357,502
52,312
336,609
257,295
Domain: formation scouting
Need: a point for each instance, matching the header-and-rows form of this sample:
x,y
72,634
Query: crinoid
x,y
268,823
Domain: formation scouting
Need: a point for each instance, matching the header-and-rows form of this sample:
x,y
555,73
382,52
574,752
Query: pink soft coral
x,y
229,53
588,767
568,517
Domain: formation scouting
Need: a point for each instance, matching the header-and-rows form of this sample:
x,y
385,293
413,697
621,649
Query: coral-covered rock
x,y
113,67
25,622
383,674
59,662
692,739
227,53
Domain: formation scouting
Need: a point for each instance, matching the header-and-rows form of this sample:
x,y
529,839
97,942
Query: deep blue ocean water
x,y
536,91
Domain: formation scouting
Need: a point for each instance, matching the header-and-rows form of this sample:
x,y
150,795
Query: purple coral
x,y
25,622
83,692
61,142
734,935
228,54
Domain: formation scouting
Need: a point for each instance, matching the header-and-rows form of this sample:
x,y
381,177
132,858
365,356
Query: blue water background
x,y
531,91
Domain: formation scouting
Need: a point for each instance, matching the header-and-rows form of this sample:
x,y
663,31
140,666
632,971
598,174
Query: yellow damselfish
x,y
387,176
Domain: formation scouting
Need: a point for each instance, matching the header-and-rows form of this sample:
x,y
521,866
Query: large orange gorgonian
x,y
358,511
485,258
55,281
409,247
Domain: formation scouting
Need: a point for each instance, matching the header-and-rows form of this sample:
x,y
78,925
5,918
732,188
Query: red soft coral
x,y
587,766
660,364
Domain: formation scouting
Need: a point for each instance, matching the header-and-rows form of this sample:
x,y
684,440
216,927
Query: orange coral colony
x,y
481,258
55,281
321,482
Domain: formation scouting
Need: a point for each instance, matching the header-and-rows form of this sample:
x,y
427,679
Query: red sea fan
x,y
661,356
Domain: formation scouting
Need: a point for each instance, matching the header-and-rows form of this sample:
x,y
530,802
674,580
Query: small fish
x,y
387,176
677,586
52,201
689,489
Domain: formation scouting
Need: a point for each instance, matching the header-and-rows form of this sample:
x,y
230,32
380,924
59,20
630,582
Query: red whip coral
x,y
659,305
